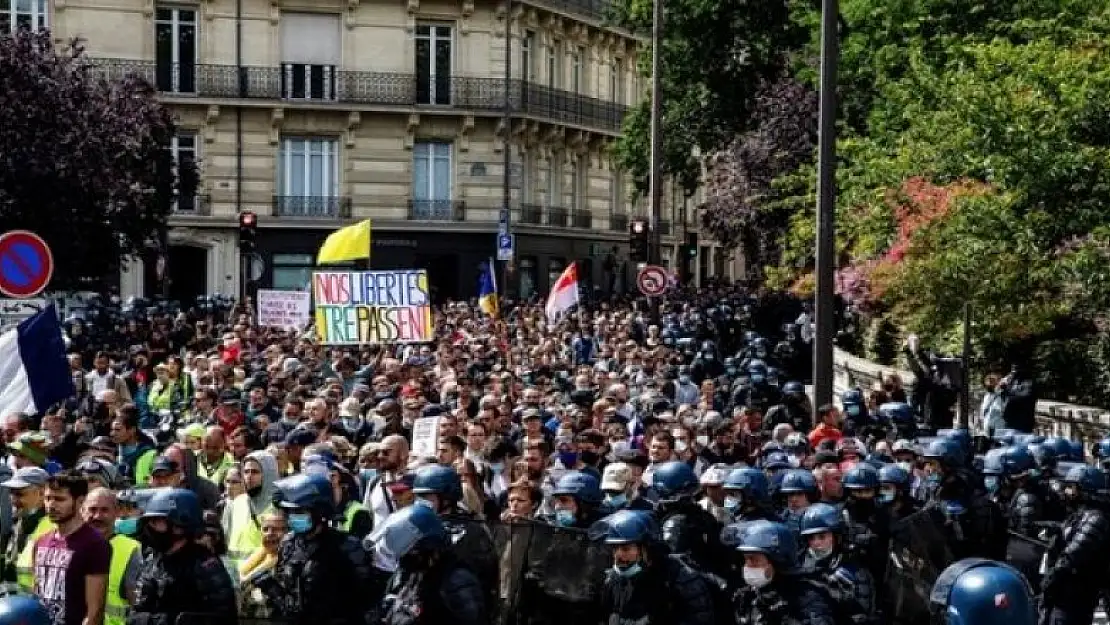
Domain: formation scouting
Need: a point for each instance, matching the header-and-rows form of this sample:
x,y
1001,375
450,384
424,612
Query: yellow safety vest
x,y
244,530
217,473
116,605
25,563
353,508
144,466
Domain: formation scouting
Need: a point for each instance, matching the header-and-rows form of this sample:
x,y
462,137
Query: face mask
x,y
616,501
420,501
127,526
907,466
568,458
628,570
820,554
933,478
681,446
991,483
703,441
852,410
589,457
367,476
732,504
756,578
497,468
1034,473
300,523
886,497
158,541
564,518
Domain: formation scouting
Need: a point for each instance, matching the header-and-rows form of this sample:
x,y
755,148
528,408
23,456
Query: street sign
x,y
13,311
26,264
652,280
503,222
506,244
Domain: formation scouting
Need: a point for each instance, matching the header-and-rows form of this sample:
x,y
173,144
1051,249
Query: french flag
x,y
34,373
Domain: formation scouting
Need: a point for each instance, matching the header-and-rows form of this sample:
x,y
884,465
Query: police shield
x,y
919,553
548,574
472,543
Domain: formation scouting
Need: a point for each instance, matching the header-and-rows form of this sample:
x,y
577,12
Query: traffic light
x,y
248,222
690,249
639,236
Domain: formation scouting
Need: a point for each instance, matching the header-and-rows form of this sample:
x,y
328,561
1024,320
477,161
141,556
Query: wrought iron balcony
x,y
437,210
582,218
327,85
312,207
618,222
531,214
557,216
597,10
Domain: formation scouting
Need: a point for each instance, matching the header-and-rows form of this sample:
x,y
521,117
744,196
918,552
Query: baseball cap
x,y
163,464
27,476
616,477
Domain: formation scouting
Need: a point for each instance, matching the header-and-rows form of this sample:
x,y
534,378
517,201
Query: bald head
x,y
100,510
395,453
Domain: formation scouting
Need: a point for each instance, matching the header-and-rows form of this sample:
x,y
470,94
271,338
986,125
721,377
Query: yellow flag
x,y
350,243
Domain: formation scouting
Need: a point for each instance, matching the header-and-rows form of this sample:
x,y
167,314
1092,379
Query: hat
x,y
163,464
230,397
714,475
300,436
824,457
32,446
530,413
193,430
27,476
403,484
616,477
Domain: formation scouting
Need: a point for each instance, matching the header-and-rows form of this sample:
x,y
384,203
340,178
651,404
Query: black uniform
x,y
190,581
445,592
322,578
666,592
690,531
1078,568
787,600
1023,552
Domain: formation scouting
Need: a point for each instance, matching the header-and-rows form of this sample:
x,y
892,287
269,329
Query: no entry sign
x,y
652,280
26,264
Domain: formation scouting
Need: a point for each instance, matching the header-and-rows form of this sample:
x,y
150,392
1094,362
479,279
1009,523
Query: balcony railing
x,y
437,210
312,207
556,216
618,222
531,214
593,9
327,85
664,228
582,218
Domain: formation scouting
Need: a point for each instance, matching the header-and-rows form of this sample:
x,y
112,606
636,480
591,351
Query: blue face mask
x,y
991,483
420,501
127,526
628,570
367,476
616,501
564,518
933,478
732,504
886,497
497,468
568,458
300,523
1034,473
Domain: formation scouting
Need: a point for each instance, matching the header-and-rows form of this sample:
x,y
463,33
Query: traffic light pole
x,y
655,254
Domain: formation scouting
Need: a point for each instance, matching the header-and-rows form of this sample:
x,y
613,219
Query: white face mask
x,y
756,578
680,446
907,466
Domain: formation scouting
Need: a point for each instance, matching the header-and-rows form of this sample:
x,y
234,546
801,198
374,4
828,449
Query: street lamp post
x,y
655,254
826,207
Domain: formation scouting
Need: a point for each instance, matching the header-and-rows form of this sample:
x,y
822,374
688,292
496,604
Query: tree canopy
x,y
83,162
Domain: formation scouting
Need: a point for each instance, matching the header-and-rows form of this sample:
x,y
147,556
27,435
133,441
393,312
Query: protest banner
x,y
283,309
356,307
425,437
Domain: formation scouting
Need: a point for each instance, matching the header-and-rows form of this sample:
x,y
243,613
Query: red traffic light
x,y
247,219
639,226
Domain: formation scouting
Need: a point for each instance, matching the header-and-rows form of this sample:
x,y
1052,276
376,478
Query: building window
x,y
616,81
527,272
433,64
310,55
527,178
578,70
308,177
292,272
555,267
432,180
527,45
616,192
175,52
31,14
555,181
183,149
579,178
553,64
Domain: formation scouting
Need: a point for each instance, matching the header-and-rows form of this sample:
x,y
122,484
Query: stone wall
x,y
1054,418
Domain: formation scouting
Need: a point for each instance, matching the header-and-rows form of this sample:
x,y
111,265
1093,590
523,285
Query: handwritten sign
x,y
425,437
283,309
355,307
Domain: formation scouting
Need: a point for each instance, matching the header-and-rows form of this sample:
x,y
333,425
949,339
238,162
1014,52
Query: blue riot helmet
x,y
982,592
178,506
853,403
798,481
757,372
1017,461
441,481
745,486
896,412
1045,459
820,518
776,461
794,391
1005,437
1083,481
1061,446
942,456
862,477
769,448
583,489
775,541
878,459
994,469
893,481
23,610
1101,451
674,480
1077,452
760,347
961,437
410,530
309,492
730,367
625,527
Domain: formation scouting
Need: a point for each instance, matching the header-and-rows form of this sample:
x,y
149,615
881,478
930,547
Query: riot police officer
x,y
797,491
688,529
868,524
794,410
1026,509
179,575
1077,558
983,592
774,591
317,565
847,577
974,525
428,584
577,497
895,485
645,584
748,495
